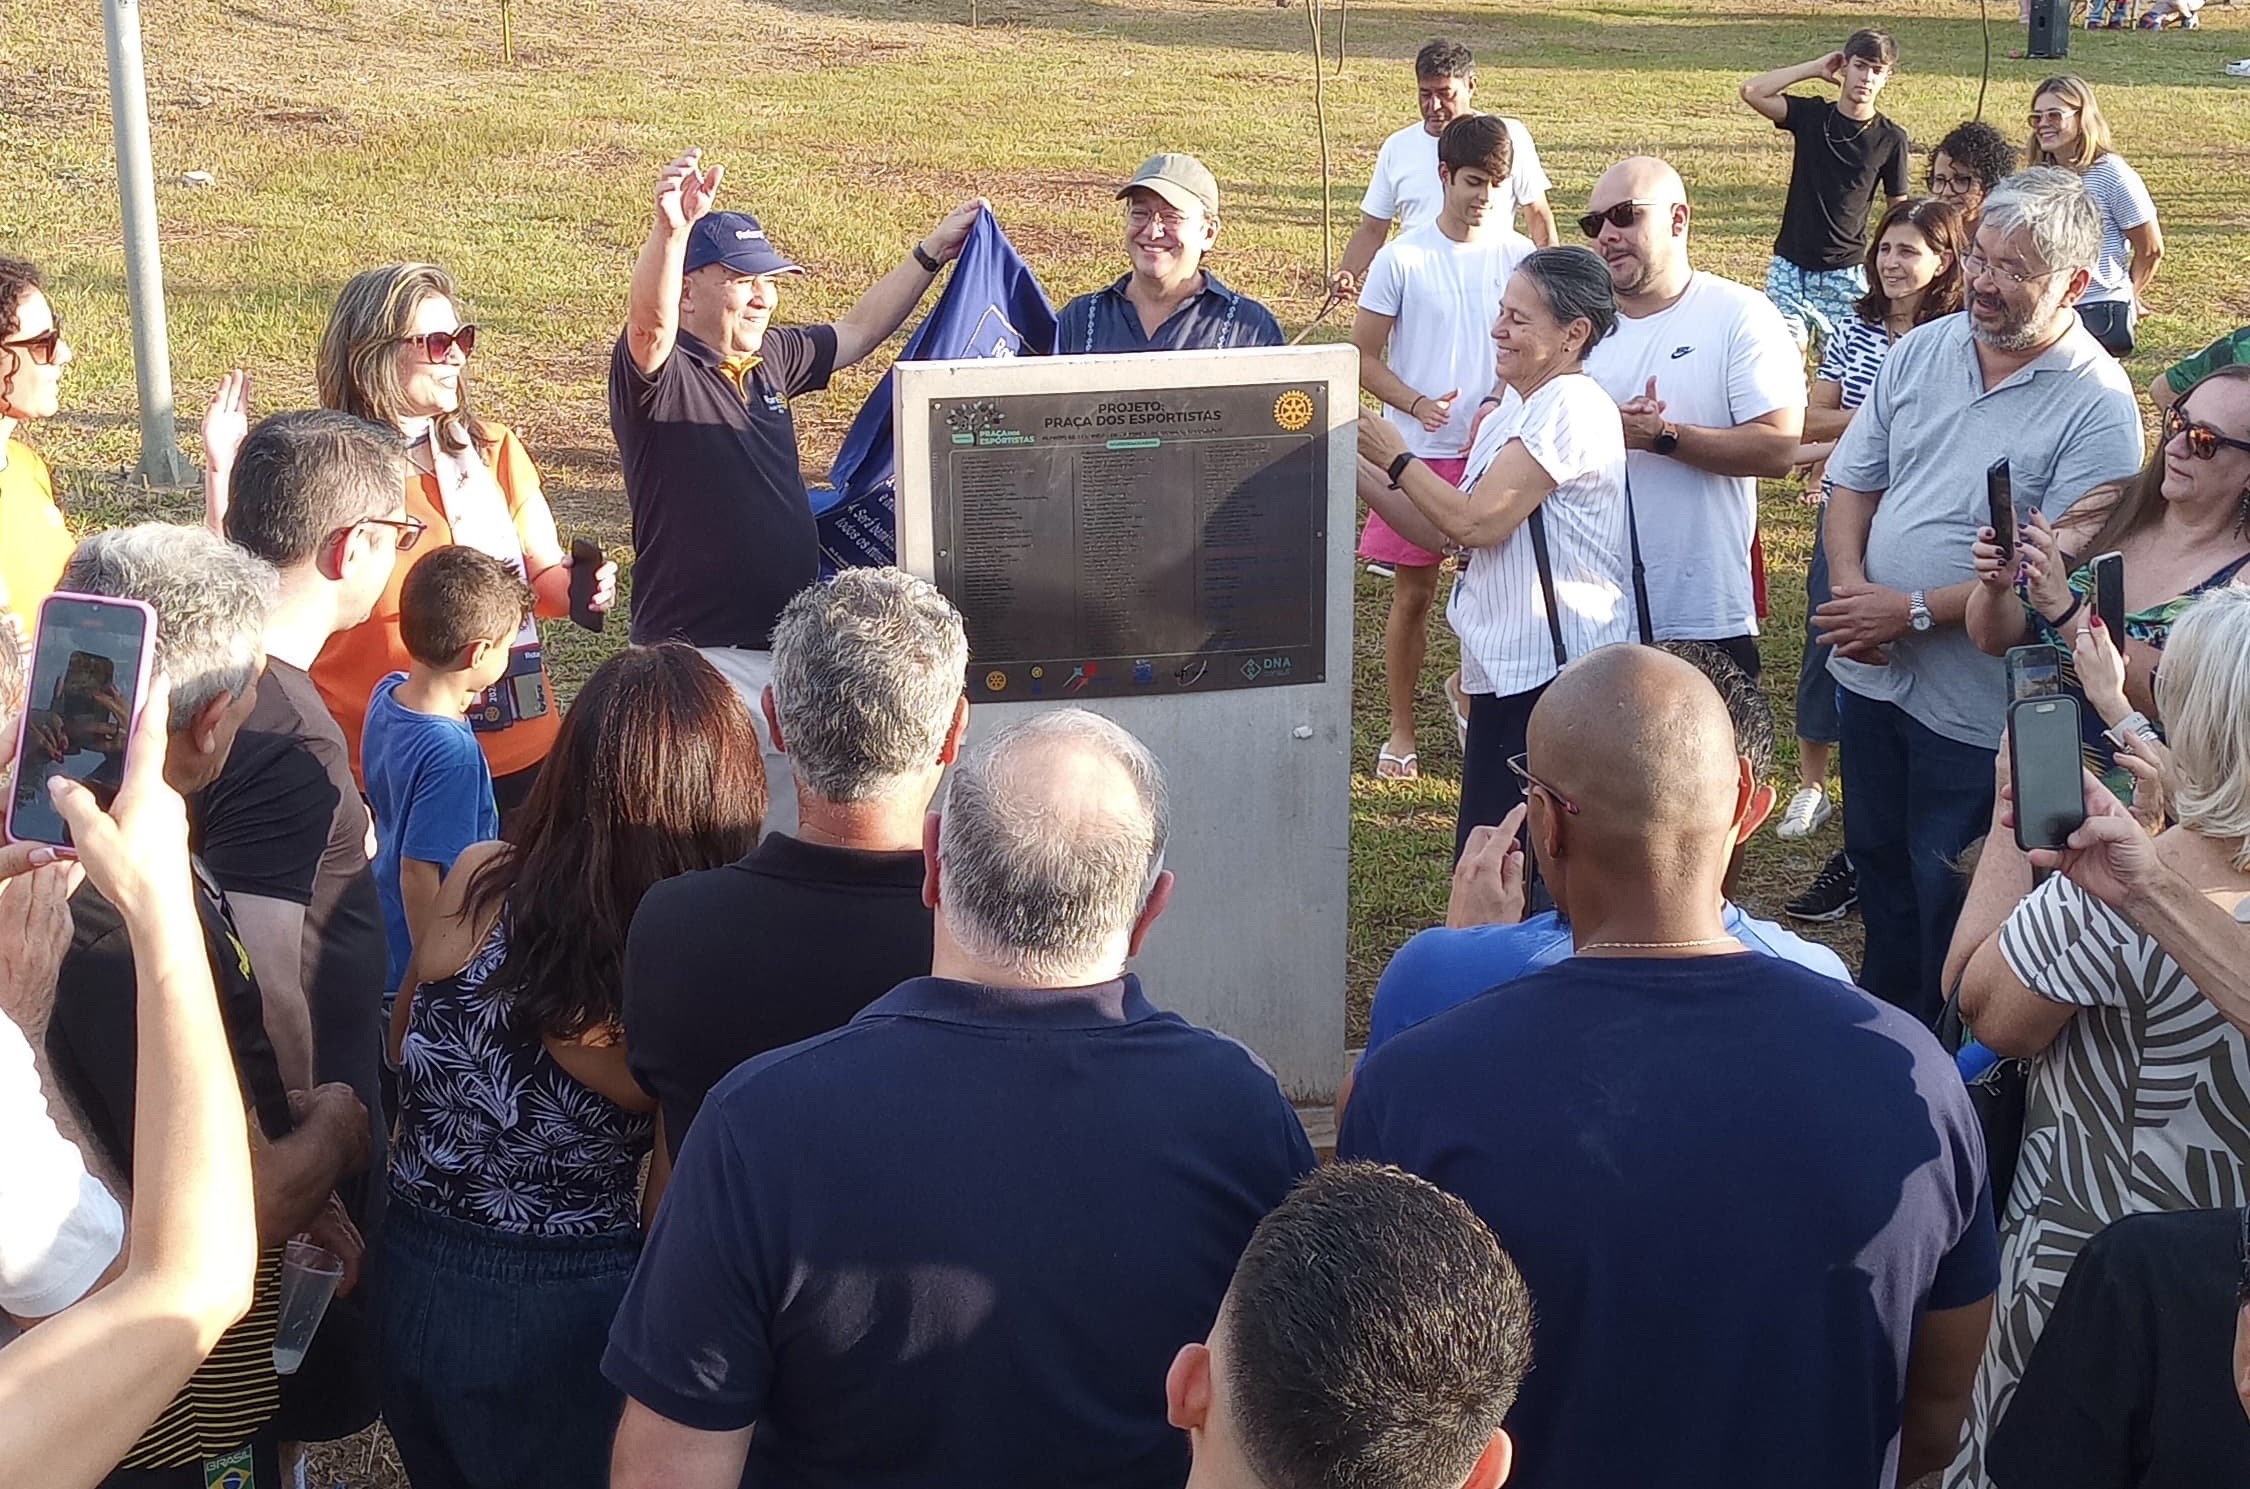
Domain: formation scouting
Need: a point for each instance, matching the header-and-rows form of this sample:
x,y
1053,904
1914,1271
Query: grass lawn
x,y
344,133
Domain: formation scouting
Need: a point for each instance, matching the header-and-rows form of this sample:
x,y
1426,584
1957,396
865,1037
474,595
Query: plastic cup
x,y
309,1275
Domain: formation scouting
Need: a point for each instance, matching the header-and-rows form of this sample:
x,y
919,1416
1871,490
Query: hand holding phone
x,y
91,661
2044,771
2000,503
585,566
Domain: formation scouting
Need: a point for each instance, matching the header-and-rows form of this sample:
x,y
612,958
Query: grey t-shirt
x,y
1923,440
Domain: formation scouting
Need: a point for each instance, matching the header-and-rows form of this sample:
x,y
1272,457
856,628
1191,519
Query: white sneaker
x,y
1808,809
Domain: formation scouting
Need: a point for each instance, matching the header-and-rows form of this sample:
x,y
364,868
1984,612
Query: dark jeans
x,y
2112,324
1917,799
1740,650
490,1348
1489,790
1816,690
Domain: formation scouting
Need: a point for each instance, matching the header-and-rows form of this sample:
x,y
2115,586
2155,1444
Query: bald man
x,y
1750,1199
1712,391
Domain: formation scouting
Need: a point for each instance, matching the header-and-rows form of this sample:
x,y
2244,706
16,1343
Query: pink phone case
x,y
144,666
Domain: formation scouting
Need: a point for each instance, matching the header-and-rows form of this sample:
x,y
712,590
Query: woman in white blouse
x,y
1546,470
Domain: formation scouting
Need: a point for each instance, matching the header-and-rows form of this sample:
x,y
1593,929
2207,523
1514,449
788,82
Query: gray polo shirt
x,y
1923,440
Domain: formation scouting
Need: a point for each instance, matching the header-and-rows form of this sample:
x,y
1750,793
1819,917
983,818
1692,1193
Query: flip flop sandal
x,y
1458,702
1390,767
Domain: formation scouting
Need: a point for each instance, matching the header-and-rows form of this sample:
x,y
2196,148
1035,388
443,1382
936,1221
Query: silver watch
x,y
1918,612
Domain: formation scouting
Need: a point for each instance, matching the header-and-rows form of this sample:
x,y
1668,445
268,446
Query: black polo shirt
x,y
786,943
723,531
958,1241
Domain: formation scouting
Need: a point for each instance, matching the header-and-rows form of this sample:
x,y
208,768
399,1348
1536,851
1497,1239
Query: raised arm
x,y
1481,517
891,299
1764,92
652,307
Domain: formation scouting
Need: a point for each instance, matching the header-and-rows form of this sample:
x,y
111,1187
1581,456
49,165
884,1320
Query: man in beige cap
x,y
1169,302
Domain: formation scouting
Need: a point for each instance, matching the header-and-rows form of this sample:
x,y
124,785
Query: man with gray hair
x,y
960,1239
212,603
821,919
2013,377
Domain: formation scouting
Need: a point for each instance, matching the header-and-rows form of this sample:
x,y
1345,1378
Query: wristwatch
x,y
1398,467
1918,612
1667,439
922,256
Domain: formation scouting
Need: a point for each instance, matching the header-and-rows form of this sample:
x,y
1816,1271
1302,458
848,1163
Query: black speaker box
x,y
2050,29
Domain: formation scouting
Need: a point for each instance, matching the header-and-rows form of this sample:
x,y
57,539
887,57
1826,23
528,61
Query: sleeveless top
x,y
491,1131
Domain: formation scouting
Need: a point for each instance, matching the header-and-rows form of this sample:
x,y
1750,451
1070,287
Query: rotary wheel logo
x,y
1293,410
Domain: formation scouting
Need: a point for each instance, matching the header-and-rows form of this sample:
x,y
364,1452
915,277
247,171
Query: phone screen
x,y
2034,672
2109,595
2044,765
2000,499
85,690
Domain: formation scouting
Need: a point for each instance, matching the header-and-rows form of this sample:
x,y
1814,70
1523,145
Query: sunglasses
x,y
2051,116
1624,214
44,347
438,345
2203,441
1533,783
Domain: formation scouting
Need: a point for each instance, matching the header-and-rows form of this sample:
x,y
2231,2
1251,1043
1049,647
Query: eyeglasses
x,y
43,348
438,345
1975,265
2203,441
1624,214
1140,215
1533,783
1945,185
2050,116
409,529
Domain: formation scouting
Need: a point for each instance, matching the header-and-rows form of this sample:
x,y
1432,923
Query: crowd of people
x,y
735,1077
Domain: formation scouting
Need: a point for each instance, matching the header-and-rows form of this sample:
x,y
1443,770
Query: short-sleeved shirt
x,y
34,541
1721,357
1442,967
1213,319
789,942
355,660
284,821
1442,296
1498,607
59,1228
723,532
1838,165
1732,1185
432,796
2123,197
1405,188
1929,430
1850,359
958,1241
2131,1384
2228,350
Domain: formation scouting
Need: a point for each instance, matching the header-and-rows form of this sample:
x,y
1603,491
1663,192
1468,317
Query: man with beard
x,y
2014,376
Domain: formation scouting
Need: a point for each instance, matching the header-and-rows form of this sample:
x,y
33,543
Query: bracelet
x,y
922,257
1410,408
1490,399
2135,722
1398,467
2077,603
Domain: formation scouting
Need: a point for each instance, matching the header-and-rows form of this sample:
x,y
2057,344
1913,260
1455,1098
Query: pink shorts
x,y
1378,542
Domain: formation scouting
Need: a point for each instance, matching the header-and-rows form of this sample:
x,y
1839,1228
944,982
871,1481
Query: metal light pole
x,y
161,463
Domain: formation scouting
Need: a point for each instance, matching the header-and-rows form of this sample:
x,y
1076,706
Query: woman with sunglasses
x,y
2068,130
34,542
396,352
2183,526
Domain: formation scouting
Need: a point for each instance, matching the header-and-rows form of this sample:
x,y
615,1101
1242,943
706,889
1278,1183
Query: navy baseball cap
x,y
736,240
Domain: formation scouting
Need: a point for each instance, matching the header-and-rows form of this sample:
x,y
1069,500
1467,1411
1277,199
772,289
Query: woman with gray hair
x,y
2140,1086
1540,519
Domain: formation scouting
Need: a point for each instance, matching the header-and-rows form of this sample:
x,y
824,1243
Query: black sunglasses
x,y
2203,441
438,345
1624,214
44,347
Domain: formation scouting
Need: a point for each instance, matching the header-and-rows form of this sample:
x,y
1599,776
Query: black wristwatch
x,y
1667,440
1398,467
922,257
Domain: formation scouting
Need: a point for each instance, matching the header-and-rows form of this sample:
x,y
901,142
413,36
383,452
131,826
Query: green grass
x,y
350,132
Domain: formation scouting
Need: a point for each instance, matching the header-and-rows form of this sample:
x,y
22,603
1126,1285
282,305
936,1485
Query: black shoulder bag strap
x,y
1640,571
1539,552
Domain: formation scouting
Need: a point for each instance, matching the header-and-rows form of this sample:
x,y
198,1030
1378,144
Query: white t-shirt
x,y
1721,357
59,1228
2123,197
1405,187
1443,297
1570,426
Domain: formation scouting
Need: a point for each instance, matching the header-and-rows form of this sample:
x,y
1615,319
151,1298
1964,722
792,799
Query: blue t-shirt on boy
x,y
432,797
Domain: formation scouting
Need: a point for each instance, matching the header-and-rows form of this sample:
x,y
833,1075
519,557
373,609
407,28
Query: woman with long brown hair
x,y
516,1193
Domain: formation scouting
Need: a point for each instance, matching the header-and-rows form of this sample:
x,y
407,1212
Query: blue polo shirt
x,y
958,1241
1732,1185
1442,967
1214,319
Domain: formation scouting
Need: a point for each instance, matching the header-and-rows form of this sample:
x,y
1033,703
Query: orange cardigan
x,y
355,660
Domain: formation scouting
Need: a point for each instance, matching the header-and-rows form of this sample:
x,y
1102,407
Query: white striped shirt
x,y
1571,427
2118,190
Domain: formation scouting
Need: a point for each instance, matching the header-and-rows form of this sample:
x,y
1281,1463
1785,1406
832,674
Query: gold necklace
x,y
1652,945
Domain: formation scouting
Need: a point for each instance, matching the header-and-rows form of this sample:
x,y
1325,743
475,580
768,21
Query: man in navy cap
x,y
723,530
1169,302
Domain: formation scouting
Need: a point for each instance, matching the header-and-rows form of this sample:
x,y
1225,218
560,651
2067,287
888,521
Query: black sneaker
x,y
1833,893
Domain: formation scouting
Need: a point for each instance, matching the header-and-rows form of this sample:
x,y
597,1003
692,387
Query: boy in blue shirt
x,y
431,792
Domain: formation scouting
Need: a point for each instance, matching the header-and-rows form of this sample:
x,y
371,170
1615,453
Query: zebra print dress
x,y
2142,1103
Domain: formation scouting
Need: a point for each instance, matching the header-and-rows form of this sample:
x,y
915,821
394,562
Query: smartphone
x,y
2044,764
2000,500
2034,672
91,659
2109,596
585,558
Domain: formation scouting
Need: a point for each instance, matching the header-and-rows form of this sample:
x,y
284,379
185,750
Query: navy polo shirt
x,y
1732,1186
1214,319
723,531
958,1241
